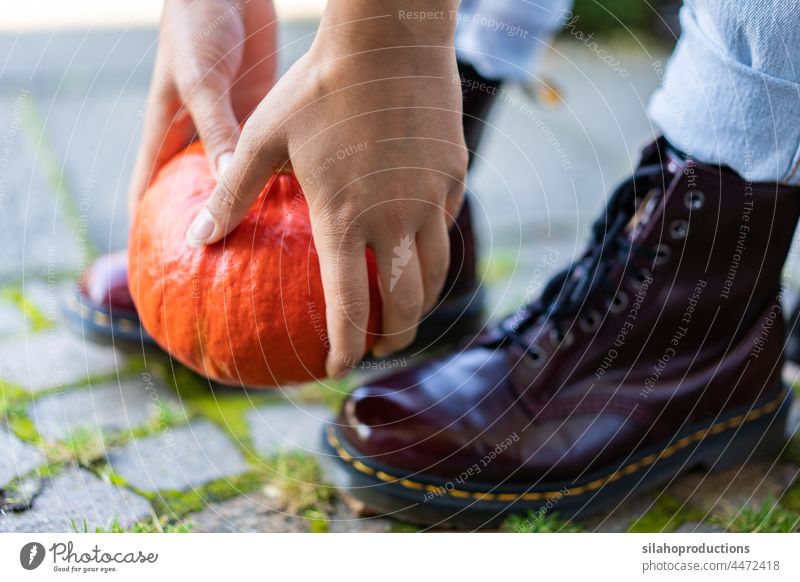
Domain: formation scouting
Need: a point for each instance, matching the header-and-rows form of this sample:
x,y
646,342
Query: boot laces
x,y
566,293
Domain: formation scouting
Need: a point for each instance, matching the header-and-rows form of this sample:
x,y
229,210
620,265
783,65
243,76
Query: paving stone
x,y
179,458
111,407
76,496
48,296
54,358
621,517
11,319
16,457
35,236
287,427
261,513
730,490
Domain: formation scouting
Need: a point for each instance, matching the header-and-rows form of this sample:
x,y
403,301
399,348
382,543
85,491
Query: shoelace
x,y
566,292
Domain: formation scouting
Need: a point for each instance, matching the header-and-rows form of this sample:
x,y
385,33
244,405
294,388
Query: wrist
x,y
363,25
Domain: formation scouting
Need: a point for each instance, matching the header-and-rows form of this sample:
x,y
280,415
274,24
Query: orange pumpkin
x,y
248,310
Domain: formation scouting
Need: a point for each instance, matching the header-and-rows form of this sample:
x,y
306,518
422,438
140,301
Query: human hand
x,y
216,61
370,119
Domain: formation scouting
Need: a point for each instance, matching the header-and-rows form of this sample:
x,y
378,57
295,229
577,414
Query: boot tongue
x,y
645,210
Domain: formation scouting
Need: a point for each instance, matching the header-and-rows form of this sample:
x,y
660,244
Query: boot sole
x,y
737,438
98,324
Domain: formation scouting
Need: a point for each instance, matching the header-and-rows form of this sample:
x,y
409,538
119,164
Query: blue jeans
x,y
731,90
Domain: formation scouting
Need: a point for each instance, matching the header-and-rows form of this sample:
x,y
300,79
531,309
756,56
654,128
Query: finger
x,y
453,203
433,246
343,267
166,131
253,162
216,123
401,291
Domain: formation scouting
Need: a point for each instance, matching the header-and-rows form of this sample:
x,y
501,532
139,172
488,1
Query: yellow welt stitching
x,y
596,484
363,468
385,476
101,318
458,493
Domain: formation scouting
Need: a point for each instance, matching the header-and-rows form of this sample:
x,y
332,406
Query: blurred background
x,y
73,81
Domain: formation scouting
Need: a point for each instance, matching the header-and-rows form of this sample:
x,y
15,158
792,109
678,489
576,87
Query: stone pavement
x,y
98,437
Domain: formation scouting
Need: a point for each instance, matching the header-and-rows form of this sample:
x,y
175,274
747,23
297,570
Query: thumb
x,y
214,117
253,161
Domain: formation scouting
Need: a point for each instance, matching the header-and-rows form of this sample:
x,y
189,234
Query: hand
x,y
370,120
216,61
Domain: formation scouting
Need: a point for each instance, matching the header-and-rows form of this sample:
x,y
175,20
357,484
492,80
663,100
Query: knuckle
x,y
215,133
227,198
400,341
354,307
407,307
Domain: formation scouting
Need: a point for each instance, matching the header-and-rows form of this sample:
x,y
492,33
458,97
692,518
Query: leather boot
x,y
657,351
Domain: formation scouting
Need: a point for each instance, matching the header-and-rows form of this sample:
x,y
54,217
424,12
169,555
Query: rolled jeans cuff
x,y
722,111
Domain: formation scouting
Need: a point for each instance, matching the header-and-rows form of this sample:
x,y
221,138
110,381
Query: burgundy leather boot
x,y
101,309
657,351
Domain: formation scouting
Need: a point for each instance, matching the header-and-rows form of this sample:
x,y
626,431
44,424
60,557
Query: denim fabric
x,y
503,39
730,93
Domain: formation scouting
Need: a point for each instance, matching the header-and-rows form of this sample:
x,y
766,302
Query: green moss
x,y
21,425
318,521
226,408
34,317
12,397
769,517
331,393
82,445
176,504
403,527
667,514
299,481
613,17
539,522
791,499
498,267
154,525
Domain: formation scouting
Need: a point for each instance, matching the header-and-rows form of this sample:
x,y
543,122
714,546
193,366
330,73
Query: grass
x,y
539,522
667,514
300,485
154,525
35,318
226,408
612,17
174,505
769,517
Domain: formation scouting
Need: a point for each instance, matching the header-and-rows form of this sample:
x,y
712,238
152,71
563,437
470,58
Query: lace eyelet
x,y
678,229
642,276
558,339
535,357
590,321
619,303
694,199
663,253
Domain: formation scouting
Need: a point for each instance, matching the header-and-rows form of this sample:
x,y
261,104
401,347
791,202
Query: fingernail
x,y
380,351
201,229
223,161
